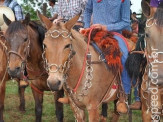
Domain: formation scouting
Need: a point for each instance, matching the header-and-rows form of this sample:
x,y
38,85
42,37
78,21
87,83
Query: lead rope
x,y
84,62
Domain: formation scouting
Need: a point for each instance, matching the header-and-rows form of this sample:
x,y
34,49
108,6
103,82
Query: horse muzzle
x,y
15,73
54,85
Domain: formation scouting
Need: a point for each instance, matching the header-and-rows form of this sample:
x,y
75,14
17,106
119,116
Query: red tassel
x,y
123,1
99,1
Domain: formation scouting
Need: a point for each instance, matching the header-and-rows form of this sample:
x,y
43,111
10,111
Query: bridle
x,y
62,68
23,58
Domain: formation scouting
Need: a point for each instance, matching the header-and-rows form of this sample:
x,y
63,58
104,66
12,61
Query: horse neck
x,y
79,46
35,53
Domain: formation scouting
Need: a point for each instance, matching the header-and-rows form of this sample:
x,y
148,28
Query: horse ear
x,y
7,20
27,19
44,20
146,8
69,24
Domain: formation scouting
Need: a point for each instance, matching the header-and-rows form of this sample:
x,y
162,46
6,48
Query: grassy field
x,y
12,114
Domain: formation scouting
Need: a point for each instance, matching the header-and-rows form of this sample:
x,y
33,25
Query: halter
x,y
24,59
66,65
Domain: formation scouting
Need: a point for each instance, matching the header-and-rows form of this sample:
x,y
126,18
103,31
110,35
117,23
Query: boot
x,y
24,83
122,106
135,106
64,100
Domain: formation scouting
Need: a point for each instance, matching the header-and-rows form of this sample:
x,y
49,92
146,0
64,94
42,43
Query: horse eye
x,y
25,39
146,35
44,46
67,46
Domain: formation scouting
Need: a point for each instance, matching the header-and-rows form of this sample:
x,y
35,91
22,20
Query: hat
x,y
9,14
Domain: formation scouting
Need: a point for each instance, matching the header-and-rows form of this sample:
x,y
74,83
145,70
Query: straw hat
x,y
9,13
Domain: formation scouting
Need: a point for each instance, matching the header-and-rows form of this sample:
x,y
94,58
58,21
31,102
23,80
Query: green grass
x,y
12,113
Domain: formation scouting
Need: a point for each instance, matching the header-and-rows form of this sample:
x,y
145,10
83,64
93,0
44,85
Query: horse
x,y
4,77
149,64
24,39
3,74
64,52
152,85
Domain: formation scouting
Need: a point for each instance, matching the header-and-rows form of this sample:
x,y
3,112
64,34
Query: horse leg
x,y
38,105
2,96
94,115
22,99
58,105
145,116
115,115
78,113
104,112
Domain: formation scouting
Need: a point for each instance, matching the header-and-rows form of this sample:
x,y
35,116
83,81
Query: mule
x,y
4,77
25,54
64,51
152,85
148,64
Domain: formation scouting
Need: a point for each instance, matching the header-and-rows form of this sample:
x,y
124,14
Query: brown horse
x,y
4,77
64,54
25,54
152,85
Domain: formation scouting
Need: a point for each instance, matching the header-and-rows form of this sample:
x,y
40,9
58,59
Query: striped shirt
x,y
16,9
115,14
69,8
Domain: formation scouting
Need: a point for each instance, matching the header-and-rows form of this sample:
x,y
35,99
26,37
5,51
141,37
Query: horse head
x,y
57,50
18,42
154,41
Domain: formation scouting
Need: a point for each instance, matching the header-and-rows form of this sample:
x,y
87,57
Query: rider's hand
x,y
99,27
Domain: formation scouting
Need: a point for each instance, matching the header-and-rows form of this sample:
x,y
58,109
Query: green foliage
x,y
30,6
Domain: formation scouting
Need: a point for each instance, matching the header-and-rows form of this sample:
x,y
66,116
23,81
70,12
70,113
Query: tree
x,y
31,6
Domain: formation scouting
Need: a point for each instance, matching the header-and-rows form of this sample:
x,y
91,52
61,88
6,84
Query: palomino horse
x,y
25,51
152,85
65,50
4,77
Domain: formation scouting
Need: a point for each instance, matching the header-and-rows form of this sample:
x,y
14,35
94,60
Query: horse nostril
x,y
58,83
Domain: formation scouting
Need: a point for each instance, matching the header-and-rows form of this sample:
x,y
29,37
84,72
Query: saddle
x,y
109,46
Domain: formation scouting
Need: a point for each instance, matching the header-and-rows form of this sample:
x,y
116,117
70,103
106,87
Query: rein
x,y
84,62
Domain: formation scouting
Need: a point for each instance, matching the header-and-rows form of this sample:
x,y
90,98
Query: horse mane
x,y
15,26
159,15
40,29
136,62
18,26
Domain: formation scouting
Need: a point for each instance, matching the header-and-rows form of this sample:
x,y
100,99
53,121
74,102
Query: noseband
x,y
66,65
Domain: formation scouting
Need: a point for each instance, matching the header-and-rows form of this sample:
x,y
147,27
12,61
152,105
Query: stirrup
x,y
127,106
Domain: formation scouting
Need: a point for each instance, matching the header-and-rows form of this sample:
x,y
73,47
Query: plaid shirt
x,y
16,9
54,10
69,8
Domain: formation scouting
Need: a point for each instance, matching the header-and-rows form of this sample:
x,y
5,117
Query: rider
x,y
154,4
112,16
53,10
67,9
16,8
